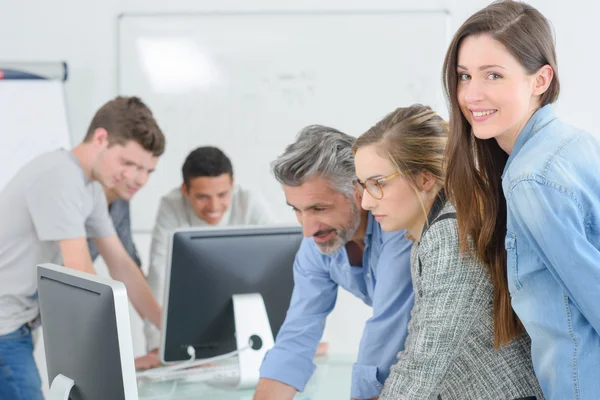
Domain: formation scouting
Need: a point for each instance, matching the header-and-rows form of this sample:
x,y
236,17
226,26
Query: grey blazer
x,y
449,352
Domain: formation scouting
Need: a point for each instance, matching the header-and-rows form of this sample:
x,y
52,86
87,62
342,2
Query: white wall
x,y
84,34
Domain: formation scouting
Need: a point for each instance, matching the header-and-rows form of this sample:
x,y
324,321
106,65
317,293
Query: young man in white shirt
x,y
208,196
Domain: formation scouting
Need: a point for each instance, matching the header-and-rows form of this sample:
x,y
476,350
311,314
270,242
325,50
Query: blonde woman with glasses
x,y
452,350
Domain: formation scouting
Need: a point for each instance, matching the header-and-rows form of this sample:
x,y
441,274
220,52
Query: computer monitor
x,y
87,335
206,268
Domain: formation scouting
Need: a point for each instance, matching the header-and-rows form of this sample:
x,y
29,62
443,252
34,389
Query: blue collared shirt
x,y
383,282
552,189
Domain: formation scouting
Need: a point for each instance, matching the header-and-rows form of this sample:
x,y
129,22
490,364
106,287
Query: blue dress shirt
x,y
383,282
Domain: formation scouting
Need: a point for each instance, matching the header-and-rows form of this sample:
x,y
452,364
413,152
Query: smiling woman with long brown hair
x,y
526,189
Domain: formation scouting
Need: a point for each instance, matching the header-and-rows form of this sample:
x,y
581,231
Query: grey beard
x,y
342,236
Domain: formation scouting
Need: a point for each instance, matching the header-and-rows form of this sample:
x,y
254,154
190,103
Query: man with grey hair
x,y
343,246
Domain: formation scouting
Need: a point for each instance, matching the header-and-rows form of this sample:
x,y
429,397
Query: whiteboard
x,y
33,120
248,83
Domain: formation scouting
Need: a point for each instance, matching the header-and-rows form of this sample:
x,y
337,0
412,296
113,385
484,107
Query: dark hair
x,y
205,161
125,119
474,167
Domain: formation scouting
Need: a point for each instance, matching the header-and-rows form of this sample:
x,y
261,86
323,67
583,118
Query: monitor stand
x,y
251,326
60,388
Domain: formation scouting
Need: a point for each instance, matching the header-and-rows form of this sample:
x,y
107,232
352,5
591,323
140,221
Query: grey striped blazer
x,y
449,352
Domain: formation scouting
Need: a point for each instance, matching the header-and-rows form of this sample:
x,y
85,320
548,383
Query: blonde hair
x,y
413,139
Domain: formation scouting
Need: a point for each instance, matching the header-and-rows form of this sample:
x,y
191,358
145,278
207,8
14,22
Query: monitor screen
x,y
87,334
207,267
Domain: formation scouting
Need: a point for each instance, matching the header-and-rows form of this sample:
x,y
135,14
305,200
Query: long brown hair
x,y
474,167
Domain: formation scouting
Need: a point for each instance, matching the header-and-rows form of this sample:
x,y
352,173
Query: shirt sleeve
x,y
552,218
455,292
165,224
313,298
56,204
385,332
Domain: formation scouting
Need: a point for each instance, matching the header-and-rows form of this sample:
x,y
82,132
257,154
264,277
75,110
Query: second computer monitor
x,y
207,267
87,335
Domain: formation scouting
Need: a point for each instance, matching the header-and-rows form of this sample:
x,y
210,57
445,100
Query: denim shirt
x,y
552,190
383,282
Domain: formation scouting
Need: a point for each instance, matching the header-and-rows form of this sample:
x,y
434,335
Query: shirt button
x,y
369,276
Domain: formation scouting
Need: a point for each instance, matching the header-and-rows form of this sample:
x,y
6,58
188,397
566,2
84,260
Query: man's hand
x,y
269,389
150,360
322,349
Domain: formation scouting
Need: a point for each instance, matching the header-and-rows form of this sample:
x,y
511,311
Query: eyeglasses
x,y
373,186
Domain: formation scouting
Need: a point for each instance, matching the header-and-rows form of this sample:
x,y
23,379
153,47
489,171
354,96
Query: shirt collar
x,y
436,208
370,227
538,120
74,158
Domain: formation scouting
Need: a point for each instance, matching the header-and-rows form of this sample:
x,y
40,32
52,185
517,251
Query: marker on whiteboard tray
x,y
51,70
16,74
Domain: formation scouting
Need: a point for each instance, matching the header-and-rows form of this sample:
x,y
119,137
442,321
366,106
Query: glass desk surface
x,y
331,381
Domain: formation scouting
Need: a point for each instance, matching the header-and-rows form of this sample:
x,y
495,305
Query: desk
x,y
331,381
